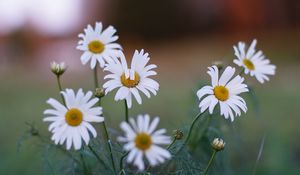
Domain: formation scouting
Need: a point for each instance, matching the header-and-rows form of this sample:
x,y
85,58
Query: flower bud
x,y
218,144
178,134
58,69
219,64
99,92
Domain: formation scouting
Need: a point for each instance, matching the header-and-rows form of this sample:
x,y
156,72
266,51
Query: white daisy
x,y
130,80
142,140
225,91
253,62
71,123
98,45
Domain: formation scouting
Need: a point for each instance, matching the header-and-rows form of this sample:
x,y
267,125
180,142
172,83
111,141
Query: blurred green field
x,y
23,93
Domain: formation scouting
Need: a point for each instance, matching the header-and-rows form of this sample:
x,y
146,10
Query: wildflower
x,y
223,91
71,123
218,144
142,140
58,68
97,45
253,62
131,80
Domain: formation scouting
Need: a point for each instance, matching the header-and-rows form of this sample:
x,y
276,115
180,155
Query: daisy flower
x,y
98,45
253,62
131,80
142,140
224,91
71,123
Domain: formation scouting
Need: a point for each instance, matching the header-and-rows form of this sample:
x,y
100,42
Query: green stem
x,y
190,131
109,146
60,89
97,156
96,77
174,140
96,81
261,148
121,161
126,111
85,168
242,72
210,161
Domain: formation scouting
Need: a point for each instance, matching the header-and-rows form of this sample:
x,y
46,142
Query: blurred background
x,y
183,39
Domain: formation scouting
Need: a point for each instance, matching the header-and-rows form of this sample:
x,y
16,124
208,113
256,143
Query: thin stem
x,y
109,146
242,72
97,156
60,89
96,81
85,168
261,148
210,161
126,111
174,140
96,77
190,131
121,160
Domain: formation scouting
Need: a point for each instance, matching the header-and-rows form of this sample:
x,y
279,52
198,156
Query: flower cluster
x,y
226,89
70,120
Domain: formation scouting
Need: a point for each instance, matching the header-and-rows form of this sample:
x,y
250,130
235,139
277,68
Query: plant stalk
x,y
85,168
190,131
96,81
121,161
210,162
109,146
126,111
60,89
172,143
97,156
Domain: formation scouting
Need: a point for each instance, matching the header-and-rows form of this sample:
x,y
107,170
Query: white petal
x,y
153,125
226,76
54,103
90,128
85,57
136,94
214,74
132,154
212,105
122,93
206,90
129,100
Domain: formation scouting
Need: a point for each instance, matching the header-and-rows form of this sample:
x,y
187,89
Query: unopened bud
x,y
219,64
178,134
99,92
58,68
218,144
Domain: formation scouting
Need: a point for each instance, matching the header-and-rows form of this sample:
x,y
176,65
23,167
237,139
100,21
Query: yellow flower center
x,y
130,83
143,141
221,93
74,117
96,46
248,64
